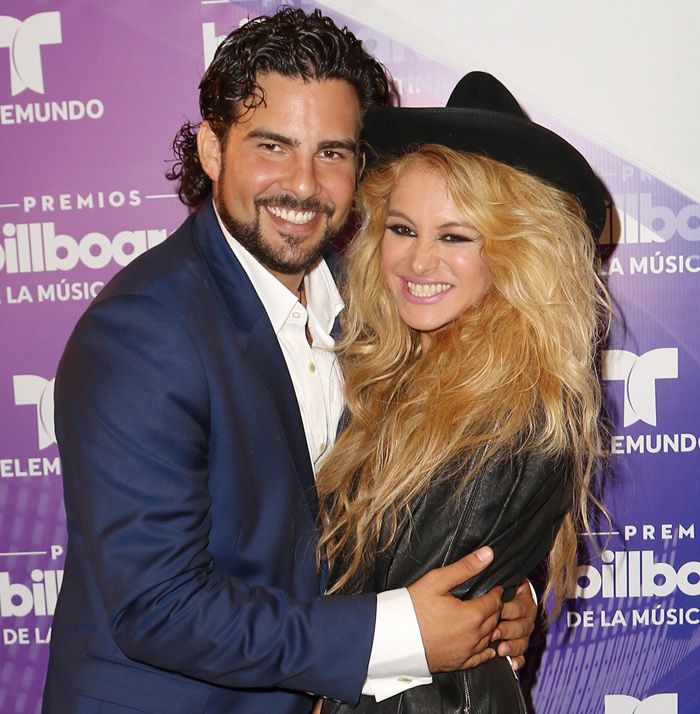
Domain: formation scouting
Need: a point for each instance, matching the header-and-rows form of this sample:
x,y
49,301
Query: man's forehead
x,y
287,106
275,79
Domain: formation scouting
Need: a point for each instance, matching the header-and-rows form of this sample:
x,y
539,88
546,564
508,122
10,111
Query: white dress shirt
x,y
397,661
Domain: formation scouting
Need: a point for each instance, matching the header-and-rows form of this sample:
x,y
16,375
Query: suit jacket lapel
x,y
250,321
264,351
336,265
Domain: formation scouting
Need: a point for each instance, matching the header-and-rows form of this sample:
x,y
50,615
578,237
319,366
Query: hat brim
x,y
520,143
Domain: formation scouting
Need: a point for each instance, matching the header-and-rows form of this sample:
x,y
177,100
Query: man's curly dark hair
x,y
291,43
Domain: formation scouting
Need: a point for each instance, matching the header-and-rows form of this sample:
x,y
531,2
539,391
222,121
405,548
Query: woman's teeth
x,y
426,290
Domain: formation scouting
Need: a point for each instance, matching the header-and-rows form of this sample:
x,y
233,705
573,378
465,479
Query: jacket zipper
x,y
462,517
465,508
399,708
521,698
467,696
460,522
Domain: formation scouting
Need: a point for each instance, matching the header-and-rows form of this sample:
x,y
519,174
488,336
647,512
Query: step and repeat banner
x,y
91,95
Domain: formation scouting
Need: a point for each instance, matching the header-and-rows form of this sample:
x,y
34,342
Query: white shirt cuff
x,y
534,594
397,661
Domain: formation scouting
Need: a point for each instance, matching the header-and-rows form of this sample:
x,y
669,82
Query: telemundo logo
x,y
24,40
35,391
639,373
655,704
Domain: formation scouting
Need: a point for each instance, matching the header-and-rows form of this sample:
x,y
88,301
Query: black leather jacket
x,y
515,505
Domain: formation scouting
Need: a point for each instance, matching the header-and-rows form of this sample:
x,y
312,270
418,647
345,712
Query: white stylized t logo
x,y
24,41
37,392
640,375
656,704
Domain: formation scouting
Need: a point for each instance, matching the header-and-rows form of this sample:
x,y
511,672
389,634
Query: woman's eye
x,y
400,230
455,238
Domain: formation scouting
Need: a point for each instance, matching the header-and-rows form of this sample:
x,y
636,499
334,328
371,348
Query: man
x,y
193,401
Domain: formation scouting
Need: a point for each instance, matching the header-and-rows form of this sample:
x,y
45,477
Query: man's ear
x,y
209,150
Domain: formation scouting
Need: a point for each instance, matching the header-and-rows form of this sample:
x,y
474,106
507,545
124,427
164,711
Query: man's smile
x,y
292,216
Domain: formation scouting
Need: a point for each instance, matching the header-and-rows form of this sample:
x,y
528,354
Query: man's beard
x,y
292,260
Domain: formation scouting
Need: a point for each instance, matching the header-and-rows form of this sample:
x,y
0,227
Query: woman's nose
x,y
424,256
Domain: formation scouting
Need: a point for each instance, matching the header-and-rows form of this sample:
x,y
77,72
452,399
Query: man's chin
x,y
292,263
299,253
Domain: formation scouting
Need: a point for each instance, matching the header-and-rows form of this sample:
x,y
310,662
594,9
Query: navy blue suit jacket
x,y
190,582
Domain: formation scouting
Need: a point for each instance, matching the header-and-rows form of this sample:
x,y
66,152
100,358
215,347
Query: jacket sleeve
x,y
513,505
132,417
520,524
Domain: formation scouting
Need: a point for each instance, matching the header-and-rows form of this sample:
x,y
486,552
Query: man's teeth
x,y
423,290
286,214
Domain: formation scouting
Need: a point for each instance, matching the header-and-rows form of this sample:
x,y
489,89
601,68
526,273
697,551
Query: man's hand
x,y
516,625
456,633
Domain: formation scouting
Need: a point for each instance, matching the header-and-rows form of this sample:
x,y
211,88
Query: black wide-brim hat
x,y
483,117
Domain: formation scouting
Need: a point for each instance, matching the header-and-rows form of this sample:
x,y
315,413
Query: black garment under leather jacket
x,y
515,505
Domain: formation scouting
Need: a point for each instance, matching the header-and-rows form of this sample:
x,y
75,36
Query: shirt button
x,y
404,678
312,367
321,447
296,314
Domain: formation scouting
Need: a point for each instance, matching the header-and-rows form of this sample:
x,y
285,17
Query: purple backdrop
x,y
91,95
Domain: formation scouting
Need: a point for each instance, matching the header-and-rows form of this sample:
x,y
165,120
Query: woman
x,y
474,315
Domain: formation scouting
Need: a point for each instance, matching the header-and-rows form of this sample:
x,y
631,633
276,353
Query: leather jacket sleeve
x,y
515,505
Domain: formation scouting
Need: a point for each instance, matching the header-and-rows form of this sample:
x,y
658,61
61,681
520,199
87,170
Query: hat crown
x,y
482,91
482,117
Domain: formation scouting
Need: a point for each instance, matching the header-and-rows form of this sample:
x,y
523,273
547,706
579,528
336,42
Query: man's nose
x,y
302,177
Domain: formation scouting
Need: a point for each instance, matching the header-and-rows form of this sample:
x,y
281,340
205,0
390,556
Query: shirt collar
x,y
323,301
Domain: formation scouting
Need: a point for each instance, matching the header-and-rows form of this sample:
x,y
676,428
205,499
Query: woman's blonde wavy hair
x,y
517,370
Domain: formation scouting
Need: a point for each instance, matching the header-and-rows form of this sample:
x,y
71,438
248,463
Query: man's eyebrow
x,y
271,136
347,144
